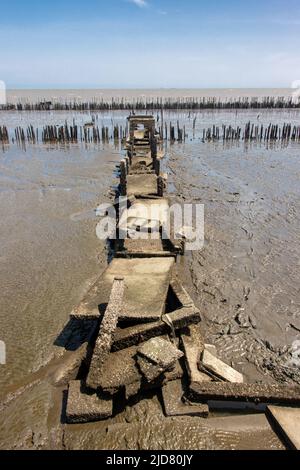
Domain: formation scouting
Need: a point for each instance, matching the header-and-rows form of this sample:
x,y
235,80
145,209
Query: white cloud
x,y
139,3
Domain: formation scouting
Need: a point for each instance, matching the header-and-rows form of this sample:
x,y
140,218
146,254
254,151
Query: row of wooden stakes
x,y
157,104
96,134
252,132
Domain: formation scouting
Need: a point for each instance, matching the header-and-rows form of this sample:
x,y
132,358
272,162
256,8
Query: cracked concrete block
x,y
134,335
119,371
150,371
172,394
160,351
147,283
175,374
241,392
220,369
193,347
105,338
138,185
84,408
132,390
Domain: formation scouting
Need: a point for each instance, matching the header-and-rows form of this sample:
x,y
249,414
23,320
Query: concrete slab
x,y
160,352
120,370
172,394
183,297
193,346
132,390
134,335
144,216
105,337
287,422
256,393
146,288
137,185
147,284
84,408
94,302
220,369
150,371
143,385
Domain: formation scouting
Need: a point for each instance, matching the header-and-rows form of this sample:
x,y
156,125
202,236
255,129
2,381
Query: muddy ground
x,y
246,278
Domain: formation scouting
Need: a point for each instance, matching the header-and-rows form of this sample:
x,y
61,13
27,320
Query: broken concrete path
x,y
172,394
287,422
160,352
147,283
83,408
256,393
219,368
105,337
181,318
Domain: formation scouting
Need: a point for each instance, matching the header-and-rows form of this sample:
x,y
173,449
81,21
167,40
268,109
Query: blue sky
x,y
149,43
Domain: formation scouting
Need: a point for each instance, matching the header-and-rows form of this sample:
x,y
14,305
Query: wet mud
x,y
245,280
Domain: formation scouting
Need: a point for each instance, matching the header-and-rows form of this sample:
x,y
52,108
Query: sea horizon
x,y
16,95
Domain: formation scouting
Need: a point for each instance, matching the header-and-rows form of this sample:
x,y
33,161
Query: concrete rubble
x,y
160,352
108,326
193,345
133,335
174,405
83,407
149,327
250,392
218,368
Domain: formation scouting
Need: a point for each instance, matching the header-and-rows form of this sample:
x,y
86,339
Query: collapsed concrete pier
x,y
147,327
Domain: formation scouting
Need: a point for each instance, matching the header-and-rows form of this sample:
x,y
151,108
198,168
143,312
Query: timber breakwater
x,y
152,103
146,329
92,133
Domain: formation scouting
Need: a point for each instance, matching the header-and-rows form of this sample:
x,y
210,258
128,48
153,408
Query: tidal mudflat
x,y
245,280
